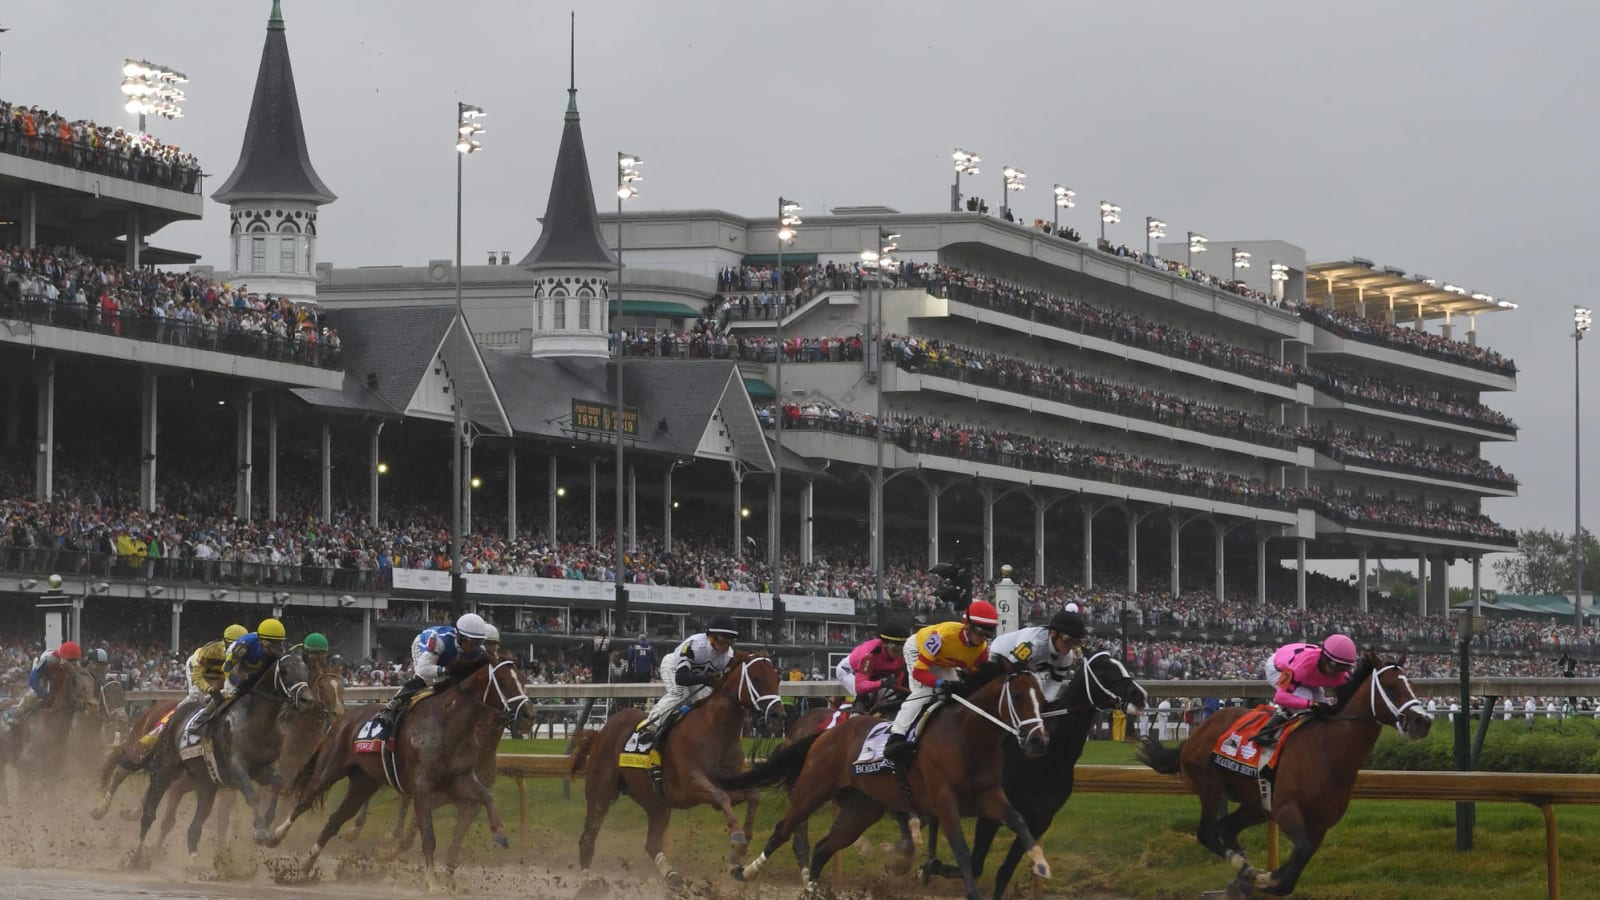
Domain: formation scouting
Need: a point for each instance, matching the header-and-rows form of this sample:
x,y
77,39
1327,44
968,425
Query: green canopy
x,y
759,390
665,309
771,259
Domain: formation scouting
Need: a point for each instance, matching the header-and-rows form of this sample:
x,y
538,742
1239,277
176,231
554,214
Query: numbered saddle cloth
x,y
1237,751
870,759
371,736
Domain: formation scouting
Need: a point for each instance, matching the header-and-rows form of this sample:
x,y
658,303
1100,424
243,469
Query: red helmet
x,y
69,650
982,612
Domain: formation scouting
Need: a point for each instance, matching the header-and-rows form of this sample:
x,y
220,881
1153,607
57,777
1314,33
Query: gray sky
x,y
1453,138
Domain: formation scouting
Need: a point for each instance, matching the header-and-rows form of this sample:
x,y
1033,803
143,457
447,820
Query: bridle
x,y
1375,691
747,686
1008,706
1093,684
511,704
291,692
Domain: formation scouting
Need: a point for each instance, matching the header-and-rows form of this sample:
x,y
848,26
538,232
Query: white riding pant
x,y
921,695
677,694
846,676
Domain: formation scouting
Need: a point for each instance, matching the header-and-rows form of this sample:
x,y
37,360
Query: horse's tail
x,y
304,785
782,766
582,745
1159,757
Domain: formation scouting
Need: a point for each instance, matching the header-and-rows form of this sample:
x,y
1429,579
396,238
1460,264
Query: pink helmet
x,y
1340,649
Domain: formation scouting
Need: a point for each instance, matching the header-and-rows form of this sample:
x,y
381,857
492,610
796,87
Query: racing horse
x,y
820,718
129,755
244,740
1316,768
957,771
438,746
40,746
701,748
1039,787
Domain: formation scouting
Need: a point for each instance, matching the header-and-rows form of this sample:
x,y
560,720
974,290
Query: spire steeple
x,y
274,162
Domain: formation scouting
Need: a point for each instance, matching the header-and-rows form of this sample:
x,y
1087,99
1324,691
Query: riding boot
x,y
391,711
1268,735
897,750
210,710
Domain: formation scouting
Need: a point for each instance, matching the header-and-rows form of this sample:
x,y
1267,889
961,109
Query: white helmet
x,y
472,626
492,636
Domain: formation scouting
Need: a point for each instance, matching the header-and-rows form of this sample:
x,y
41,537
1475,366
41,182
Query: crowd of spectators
x,y
37,133
1415,340
1368,451
1408,515
60,286
1405,398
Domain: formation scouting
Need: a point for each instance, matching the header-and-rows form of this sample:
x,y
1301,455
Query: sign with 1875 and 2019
x,y
601,418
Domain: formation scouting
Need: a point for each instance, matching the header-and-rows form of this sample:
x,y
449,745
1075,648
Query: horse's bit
x,y
1008,704
1397,711
762,702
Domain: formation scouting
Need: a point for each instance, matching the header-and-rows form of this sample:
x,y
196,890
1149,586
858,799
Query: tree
x,y
1544,563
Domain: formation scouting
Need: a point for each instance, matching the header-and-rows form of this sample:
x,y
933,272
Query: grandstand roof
x,y
274,162
385,352
1347,281
571,233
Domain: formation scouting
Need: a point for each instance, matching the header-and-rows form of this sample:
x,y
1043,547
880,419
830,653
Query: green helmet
x,y
315,641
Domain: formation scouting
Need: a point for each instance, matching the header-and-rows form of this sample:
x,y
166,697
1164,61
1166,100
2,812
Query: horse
x,y
245,742
957,771
1316,766
1039,787
702,747
39,746
129,755
819,718
437,748
304,728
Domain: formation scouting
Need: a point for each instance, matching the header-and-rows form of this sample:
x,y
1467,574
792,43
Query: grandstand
x,y
1131,433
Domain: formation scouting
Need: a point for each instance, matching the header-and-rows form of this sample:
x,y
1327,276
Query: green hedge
x,y
1568,745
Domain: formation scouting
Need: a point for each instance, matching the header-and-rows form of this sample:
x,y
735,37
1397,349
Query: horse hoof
x,y
737,872
502,842
1041,869
925,875
99,812
674,881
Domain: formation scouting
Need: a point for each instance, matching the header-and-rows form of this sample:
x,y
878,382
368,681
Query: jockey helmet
x,y
69,650
492,636
472,626
271,629
895,631
982,613
316,641
1340,649
1070,624
98,655
234,632
720,624
1073,607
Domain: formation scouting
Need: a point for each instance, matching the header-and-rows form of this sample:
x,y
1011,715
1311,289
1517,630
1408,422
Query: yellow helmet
x,y
271,629
233,633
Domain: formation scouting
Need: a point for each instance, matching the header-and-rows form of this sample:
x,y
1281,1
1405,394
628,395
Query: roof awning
x,y
789,259
759,389
1351,282
480,403
665,309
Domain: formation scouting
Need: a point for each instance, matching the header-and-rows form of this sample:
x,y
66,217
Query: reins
x,y
1008,705
511,705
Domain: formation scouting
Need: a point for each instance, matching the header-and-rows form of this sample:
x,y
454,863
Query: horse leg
x,y
1292,822
801,844
994,805
204,796
358,790
948,814
803,801
931,865
856,814
1228,829
361,820
907,845
422,802
1008,866
599,792
658,814
181,785
160,780
400,833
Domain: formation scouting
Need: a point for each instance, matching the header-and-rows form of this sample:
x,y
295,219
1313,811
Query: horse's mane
x,y
1363,670
461,669
975,680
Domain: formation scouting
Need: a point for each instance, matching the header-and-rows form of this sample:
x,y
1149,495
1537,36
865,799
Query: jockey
x,y
1301,672
315,651
432,653
246,658
689,671
876,669
942,651
491,642
44,672
205,663
1050,650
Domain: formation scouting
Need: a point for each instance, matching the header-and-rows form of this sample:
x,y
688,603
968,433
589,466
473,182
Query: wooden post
x,y
522,812
1272,845
1552,859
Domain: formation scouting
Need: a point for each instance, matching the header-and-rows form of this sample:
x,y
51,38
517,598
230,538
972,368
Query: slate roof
x,y
387,347
571,235
274,162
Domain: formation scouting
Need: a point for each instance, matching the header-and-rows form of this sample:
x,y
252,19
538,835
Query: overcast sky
x,y
1453,138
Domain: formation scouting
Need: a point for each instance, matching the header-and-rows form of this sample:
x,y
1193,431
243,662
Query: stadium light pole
x,y
788,221
1279,273
1581,319
467,131
1241,260
966,164
1110,214
1153,228
1011,179
627,176
880,260
152,90
1065,199
1197,244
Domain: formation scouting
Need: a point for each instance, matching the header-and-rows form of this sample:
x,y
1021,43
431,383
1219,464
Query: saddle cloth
x,y
640,751
190,741
1236,751
154,735
870,759
836,718
372,736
